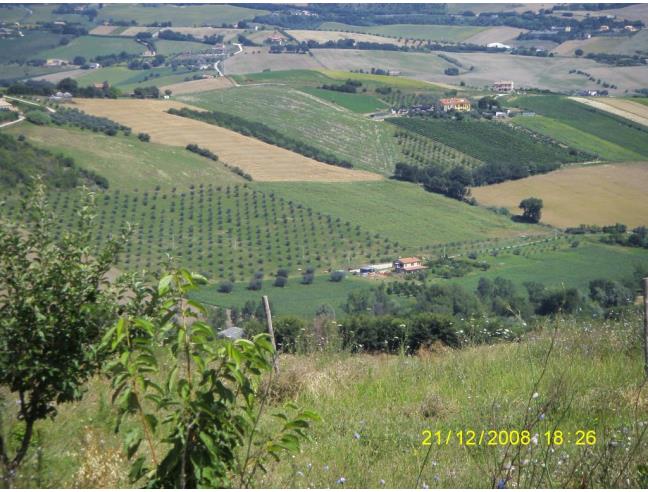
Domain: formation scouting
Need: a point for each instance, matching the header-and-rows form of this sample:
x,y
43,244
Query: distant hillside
x,y
21,161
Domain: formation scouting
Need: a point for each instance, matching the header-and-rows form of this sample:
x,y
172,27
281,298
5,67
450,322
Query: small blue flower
x,y
501,484
341,481
382,482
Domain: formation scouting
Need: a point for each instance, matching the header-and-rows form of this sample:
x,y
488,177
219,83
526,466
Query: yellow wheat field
x,y
602,194
264,162
202,85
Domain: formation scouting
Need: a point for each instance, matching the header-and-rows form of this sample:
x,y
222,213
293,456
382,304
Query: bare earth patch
x,y
263,161
602,194
324,36
202,85
103,30
629,110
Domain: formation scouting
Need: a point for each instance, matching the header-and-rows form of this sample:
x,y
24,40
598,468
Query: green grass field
x,y
15,71
179,15
91,46
166,47
578,139
366,144
293,299
126,162
426,32
621,132
358,103
564,266
403,212
33,45
374,408
388,80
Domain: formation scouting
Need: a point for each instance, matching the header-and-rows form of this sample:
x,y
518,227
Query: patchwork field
x,y
621,107
202,85
366,144
201,32
263,161
404,212
25,48
126,162
601,194
410,31
358,103
545,73
179,15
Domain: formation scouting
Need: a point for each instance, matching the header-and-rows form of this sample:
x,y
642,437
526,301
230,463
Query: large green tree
x,y
532,209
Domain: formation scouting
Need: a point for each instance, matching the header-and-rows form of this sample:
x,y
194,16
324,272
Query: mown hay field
x,y
500,34
263,161
258,59
629,110
202,85
602,194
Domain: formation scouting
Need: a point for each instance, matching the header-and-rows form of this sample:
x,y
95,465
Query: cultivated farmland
x,y
180,15
91,46
366,144
624,108
201,85
324,36
409,31
619,131
263,161
601,194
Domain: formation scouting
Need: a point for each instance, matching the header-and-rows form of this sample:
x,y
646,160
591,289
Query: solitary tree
x,y
55,307
532,208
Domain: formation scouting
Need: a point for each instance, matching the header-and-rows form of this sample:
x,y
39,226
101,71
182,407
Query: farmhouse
x,y
456,103
6,105
409,264
503,86
499,46
56,62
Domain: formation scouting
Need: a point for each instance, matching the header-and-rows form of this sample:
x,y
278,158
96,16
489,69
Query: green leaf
x,y
137,470
163,286
132,441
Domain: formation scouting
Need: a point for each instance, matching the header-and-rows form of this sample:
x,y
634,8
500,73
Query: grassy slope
x,y
571,267
91,46
367,144
128,163
166,47
402,211
410,31
33,45
577,138
358,103
611,128
180,16
591,382
295,298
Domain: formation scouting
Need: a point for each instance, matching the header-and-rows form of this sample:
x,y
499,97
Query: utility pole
x,y
266,306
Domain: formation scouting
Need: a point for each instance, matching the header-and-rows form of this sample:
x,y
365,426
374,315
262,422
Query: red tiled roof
x,y
411,259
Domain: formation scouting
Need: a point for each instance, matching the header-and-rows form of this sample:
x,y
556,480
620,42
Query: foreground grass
x,y
374,408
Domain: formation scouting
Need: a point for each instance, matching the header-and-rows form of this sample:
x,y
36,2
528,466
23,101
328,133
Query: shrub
x,y
38,117
337,276
225,287
144,137
280,282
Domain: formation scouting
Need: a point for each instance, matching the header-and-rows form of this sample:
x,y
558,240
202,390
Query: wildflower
x,y
356,435
534,439
326,468
300,473
501,484
341,481
437,478
425,486
541,416
309,466
382,482
535,395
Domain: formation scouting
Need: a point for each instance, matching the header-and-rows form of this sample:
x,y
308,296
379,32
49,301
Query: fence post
x,y
268,314
645,333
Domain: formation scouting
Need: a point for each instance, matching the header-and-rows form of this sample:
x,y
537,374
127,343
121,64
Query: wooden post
x,y
268,314
645,333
